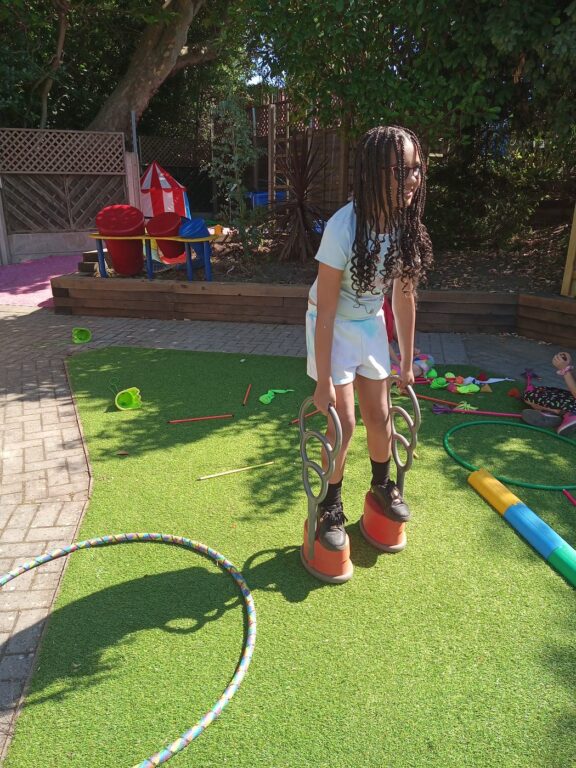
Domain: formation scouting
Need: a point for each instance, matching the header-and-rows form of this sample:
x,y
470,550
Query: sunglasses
x,y
414,170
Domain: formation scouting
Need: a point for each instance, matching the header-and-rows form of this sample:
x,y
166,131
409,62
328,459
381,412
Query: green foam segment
x,y
564,560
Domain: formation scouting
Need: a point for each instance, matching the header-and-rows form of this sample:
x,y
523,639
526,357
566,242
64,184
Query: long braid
x,y
378,214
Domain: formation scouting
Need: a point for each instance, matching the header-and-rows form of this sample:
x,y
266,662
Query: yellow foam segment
x,y
492,490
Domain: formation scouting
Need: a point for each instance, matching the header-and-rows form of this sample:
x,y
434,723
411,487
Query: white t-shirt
x,y
336,251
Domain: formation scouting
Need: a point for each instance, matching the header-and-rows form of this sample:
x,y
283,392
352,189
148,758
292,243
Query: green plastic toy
x,y
438,383
81,335
128,399
267,398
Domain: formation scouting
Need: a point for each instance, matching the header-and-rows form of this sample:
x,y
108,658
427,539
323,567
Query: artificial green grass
x,y
457,652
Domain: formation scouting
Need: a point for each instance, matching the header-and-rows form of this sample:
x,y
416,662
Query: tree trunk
x,y
154,59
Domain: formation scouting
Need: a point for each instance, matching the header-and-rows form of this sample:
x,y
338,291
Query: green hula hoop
x,y
509,480
188,736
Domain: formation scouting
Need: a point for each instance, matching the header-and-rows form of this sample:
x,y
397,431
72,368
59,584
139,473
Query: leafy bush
x,y
491,200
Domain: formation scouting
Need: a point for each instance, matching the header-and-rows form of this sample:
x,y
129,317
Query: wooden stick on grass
x,y
233,471
247,394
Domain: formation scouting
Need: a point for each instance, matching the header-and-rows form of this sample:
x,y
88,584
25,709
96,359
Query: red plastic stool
x,y
326,565
383,533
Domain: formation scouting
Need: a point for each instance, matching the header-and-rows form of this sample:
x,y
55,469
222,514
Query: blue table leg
x,y
101,259
189,270
207,264
149,265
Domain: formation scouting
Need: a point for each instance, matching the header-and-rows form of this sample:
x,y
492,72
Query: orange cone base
x,y
326,565
384,534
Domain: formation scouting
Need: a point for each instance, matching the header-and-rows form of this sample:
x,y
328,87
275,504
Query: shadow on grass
x,y
78,635
177,602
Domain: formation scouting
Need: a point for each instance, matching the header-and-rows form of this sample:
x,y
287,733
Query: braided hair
x,y
378,214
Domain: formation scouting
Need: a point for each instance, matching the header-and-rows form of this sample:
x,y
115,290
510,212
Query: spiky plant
x,y
298,219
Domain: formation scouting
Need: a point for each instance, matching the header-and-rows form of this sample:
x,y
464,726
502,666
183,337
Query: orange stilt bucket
x,y
384,534
328,566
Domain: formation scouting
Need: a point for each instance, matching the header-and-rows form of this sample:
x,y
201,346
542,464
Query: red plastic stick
x,y
202,418
312,413
488,413
246,395
569,496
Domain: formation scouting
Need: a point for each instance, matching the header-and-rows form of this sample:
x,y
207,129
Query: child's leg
x,y
331,531
345,409
550,399
373,401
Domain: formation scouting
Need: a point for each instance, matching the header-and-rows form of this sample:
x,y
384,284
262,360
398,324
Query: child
x,y
376,239
553,406
421,363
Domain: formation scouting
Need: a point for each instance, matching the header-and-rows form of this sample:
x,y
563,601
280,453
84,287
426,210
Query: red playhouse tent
x,y
160,193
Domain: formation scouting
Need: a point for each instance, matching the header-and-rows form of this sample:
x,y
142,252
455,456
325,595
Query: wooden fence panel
x,y
57,181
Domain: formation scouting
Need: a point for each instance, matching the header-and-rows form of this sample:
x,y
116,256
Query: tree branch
x,y
62,7
195,56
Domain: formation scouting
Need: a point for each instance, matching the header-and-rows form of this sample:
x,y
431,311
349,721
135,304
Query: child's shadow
x,y
82,632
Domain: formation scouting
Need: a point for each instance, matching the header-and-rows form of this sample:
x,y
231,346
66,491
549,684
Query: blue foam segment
x,y
532,528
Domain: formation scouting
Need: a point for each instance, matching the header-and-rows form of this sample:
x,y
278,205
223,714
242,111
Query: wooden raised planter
x,y
176,300
547,318
543,318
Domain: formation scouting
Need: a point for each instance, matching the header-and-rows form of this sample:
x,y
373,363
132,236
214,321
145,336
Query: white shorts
x,y
359,347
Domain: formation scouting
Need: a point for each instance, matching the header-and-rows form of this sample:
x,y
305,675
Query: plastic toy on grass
x,y
128,399
186,738
439,409
529,374
81,335
532,528
331,567
267,397
380,530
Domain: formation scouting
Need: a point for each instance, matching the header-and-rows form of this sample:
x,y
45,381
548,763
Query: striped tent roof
x,y
155,177
160,192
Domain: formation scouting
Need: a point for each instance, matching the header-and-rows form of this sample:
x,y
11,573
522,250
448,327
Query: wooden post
x,y
5,256
132,166
271,152
255,145
569,281
343,160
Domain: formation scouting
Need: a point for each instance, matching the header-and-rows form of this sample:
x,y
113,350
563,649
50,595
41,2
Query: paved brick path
x,y
44,476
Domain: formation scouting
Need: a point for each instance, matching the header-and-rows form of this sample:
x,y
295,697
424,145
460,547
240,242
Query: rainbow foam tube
x,y
492,490
533,529
564,560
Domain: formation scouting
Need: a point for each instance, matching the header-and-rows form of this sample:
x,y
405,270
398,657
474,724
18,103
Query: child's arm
x,y
404,307
329,280
563,362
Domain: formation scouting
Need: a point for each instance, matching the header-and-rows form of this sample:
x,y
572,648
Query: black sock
x,y
380,472
333,494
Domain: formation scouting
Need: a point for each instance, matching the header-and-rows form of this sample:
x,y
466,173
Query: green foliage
x,y
233,152
441,69
100,40
491,200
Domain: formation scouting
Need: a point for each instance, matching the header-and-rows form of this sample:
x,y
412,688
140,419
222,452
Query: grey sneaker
x,y
391,502
540,418
331,533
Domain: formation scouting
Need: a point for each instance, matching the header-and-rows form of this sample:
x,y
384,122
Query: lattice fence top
x,y
174,151
30,150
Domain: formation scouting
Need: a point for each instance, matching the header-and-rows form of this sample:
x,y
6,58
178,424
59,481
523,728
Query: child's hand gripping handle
x,y
308,464
398,438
